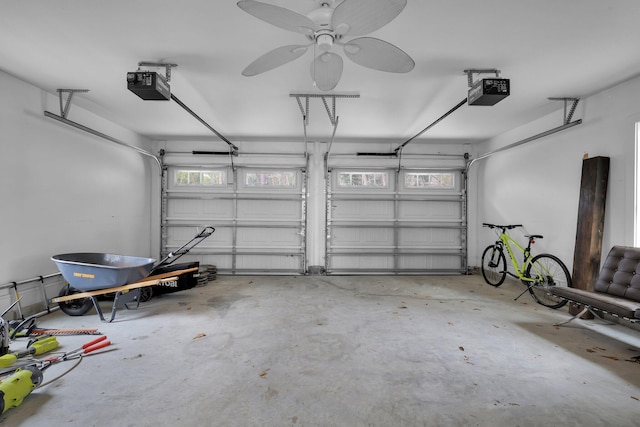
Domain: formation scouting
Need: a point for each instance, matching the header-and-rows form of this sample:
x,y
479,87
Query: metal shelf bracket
x,y
64,110
326,98
568,111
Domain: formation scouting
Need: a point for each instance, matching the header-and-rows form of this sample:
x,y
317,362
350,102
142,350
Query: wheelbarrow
x,y
128,279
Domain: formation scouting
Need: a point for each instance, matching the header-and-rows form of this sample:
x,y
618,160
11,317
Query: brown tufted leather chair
x,y
617,289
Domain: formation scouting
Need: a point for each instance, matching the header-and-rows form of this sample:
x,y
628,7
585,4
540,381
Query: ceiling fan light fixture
x,y
326,70
325,57
324,41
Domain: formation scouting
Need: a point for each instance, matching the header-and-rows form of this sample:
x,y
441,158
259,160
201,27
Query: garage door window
x,y
359,179
429,180
199,178
272,179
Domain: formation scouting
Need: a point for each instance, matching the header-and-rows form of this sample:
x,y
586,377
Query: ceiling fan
x,y
326,27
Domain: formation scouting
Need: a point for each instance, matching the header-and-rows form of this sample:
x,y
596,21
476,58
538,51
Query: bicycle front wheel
x,y
548,271
494,265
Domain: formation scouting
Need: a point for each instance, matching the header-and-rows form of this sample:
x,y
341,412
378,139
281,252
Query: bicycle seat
x,y
535,236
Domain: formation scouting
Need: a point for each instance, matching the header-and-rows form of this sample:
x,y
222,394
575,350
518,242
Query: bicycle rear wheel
x,y
548,271
494,265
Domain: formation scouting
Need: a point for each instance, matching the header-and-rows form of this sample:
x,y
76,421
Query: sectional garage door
x,y
258,214
382,221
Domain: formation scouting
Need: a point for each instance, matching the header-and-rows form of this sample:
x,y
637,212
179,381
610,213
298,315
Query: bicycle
x,y
537,273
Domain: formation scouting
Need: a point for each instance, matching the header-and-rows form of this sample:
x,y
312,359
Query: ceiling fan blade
x,y
278,16
379,55
274,58
360,17
326,70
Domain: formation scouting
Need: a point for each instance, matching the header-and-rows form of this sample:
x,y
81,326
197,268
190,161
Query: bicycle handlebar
x,y
508,227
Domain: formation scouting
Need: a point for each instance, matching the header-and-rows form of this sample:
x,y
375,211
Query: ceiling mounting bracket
x,y
471,72
568,111
304,110
167,67
326,97
331,113
64,110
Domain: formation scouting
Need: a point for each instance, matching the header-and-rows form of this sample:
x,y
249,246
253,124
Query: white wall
x,y
538,183
65,190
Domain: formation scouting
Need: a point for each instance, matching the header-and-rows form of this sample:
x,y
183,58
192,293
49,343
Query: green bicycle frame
x,y
507,241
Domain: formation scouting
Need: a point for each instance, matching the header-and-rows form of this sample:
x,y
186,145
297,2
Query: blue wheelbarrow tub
x,y
90,271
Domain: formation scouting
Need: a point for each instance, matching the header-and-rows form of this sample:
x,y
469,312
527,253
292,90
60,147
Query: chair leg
x,y
584,310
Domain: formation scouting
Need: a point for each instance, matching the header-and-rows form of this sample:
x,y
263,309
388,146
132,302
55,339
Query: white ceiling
x,y
547,48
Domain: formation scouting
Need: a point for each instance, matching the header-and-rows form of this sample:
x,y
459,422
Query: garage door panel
x,y
430,237
198,208
421,210
361,263
431,262
361,237
361,210
268,237
418,228
219,239
268,263
270,209
259,216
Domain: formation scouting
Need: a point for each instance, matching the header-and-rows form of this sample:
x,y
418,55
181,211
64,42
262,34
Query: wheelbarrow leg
x,y
133,295
120,299
94,300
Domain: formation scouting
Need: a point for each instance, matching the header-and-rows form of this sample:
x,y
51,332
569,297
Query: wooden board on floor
x,y
147,281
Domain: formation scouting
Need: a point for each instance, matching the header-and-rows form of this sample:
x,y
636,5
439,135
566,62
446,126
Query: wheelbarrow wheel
x,y
75,307
146,293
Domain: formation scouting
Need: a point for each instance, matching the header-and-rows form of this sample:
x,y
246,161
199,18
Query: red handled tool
x,y
87,348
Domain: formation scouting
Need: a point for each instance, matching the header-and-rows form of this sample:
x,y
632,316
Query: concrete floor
x,y
341,351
